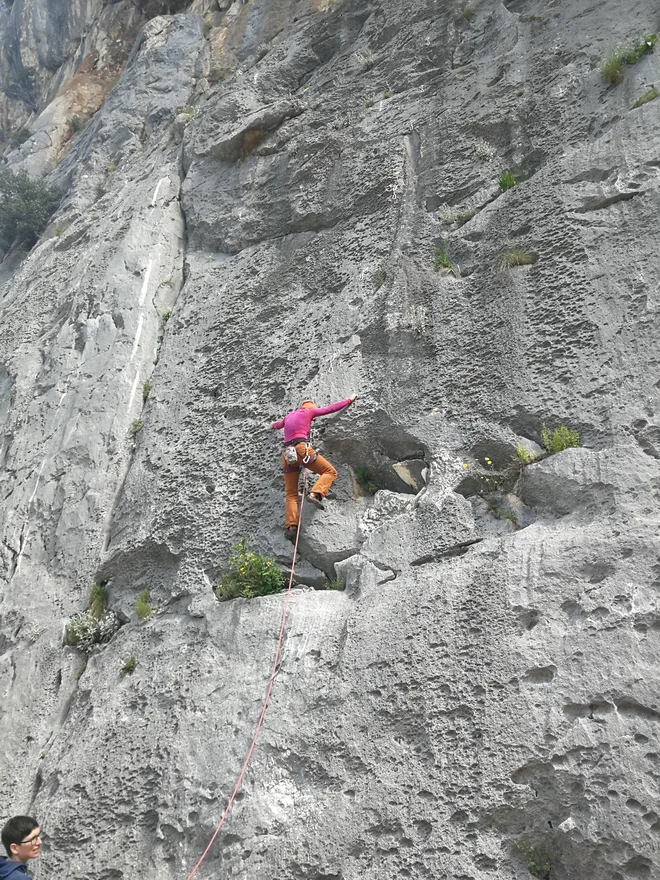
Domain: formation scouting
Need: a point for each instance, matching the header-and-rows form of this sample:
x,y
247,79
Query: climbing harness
x,y
271,681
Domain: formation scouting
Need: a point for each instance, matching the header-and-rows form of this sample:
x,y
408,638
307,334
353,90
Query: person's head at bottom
x,y
21,837
307,404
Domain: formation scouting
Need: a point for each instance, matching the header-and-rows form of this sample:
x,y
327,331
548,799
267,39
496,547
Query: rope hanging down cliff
x,y
271,681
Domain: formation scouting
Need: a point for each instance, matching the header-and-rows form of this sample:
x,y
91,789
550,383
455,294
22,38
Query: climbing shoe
x,y
316,500
290,533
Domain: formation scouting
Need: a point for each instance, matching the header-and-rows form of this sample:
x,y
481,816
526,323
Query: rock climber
x,y
298,453
21,838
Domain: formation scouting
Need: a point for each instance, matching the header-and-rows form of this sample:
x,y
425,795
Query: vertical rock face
x,y
251,217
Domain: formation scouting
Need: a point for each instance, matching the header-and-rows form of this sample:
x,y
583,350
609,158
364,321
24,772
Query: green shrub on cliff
x,y
612,67
249,575
559,439
26,206
539,857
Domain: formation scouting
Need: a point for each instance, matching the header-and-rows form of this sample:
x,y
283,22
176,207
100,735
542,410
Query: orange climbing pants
x,y
327,476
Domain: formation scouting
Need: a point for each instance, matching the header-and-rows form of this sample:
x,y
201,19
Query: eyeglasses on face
x,y
31,840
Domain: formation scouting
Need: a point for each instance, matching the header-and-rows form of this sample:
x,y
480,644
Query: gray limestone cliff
x,y
254,196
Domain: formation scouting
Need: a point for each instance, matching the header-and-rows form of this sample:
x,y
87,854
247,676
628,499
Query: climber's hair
x,y
16,830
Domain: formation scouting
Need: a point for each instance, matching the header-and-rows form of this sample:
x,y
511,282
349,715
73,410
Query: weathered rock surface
x,y
251,218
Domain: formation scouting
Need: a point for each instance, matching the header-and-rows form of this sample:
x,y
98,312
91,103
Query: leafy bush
x,y
453,215
524,455
559,439
651,95
484,151
539,857
612,67
77,124
143,607
84,631
249,575
468,13
26,206
506,180
129,667
365,480
146,390
514,257
380,277
19,137
136,426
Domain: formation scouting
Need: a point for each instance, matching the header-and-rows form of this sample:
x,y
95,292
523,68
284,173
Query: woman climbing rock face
x,y
298,453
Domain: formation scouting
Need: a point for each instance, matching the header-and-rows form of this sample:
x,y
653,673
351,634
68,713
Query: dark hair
x,y
16,829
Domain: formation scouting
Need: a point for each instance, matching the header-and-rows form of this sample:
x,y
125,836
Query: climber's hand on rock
x,y
352,397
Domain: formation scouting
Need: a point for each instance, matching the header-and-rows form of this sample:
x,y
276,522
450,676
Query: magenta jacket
x,y
297,423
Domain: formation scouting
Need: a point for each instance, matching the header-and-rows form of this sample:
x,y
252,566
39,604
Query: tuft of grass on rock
x,y
559,439
514,257
98,601
506,180
442,258
612,67
380,277
651,95
146,390
467,13
143,607
336,584
129,666
136,427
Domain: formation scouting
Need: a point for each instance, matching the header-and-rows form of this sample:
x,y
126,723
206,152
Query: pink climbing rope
x,y
271,681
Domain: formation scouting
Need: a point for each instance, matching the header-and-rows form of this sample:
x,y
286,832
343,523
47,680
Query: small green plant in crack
x,y
336,584
387,94
513,256
165,315
143,607
539,857
651,95
366,480
559,439
129,666
443,261
612,67
98,601
146,390
249,574
380,277
525,456
468,13
136,427
506,180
